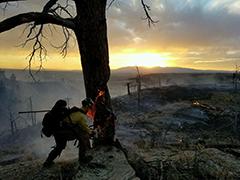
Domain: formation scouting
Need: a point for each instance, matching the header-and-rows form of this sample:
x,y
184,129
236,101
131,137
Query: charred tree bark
x,y
91,34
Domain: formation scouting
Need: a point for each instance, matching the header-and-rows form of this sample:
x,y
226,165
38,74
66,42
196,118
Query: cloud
x,y
234,8
182,23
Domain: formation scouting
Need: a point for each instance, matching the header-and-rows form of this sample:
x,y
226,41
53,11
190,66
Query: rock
x,y
108,163
213,163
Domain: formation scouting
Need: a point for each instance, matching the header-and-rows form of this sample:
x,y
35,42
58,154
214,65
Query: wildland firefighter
x,y
66,125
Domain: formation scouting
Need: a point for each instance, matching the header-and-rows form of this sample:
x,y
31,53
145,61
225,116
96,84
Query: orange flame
x,y
91,113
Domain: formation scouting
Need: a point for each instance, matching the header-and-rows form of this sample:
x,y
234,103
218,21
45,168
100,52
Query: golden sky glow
x,y
140,59
117,60
72,61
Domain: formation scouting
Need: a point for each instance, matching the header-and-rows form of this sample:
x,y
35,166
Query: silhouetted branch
x,y
35,35
64,47
110,4
6,1
52,7
57,11
61,9
49,5
146,9
38,18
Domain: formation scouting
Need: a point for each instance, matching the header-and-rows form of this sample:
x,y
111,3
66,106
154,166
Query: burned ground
x,y
181,132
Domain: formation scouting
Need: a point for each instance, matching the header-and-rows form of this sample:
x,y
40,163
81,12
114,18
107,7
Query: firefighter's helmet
x,y
87,102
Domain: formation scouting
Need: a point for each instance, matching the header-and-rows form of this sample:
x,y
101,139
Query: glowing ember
x,y
101,93
195,103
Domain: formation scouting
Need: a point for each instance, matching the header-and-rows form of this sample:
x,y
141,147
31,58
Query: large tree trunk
x,y
91,34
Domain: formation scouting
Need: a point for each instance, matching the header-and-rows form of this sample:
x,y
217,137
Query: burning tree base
x,y
104,121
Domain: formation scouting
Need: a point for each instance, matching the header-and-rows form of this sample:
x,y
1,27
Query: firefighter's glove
x,y
92,133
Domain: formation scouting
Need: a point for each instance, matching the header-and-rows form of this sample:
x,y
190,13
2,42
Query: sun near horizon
x,y
143,59
117,60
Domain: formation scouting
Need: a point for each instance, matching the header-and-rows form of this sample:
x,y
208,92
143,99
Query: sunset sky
x,y
200,34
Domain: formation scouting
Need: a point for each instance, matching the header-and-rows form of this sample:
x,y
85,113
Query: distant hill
x,y
123,72
144,70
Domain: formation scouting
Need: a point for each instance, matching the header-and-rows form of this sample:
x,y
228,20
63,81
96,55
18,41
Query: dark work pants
x,y
84,145
60,145
61,139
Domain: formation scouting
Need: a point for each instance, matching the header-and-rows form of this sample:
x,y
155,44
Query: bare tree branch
x,y
6,1
110,4
57,9
54,8
64,46
61,9
49,5
146,9
38,18
36,35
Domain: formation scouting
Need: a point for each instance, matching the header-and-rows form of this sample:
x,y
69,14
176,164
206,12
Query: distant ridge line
x,y
154,70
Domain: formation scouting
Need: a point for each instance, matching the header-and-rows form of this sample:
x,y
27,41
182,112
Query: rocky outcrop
x,y
213,163
108,163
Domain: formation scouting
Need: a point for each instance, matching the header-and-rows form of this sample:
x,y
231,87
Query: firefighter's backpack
x,y
49,124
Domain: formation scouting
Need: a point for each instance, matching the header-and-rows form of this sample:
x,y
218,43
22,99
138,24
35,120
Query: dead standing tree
x,y
138,81
90,28
236,78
